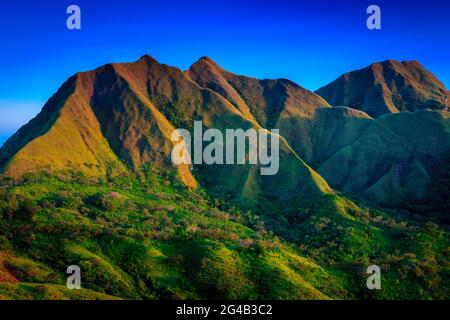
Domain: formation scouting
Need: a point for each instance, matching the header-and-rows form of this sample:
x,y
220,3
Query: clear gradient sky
x,y
309,42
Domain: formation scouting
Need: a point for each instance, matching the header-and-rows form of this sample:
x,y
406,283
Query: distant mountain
x,y
387,87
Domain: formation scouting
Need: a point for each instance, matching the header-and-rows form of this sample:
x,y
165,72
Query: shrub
x,y
110,201
68,200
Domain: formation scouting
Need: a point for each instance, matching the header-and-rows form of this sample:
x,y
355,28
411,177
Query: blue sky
x,y
310,42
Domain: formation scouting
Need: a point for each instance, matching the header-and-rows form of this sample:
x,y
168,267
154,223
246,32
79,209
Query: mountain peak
x,y
205,60
412,62
148,59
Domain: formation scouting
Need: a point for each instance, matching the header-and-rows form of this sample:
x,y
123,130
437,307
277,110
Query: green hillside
x,y
149,237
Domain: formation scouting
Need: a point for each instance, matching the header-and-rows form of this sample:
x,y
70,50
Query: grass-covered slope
x,y
143,238
393,160
64,135
149,237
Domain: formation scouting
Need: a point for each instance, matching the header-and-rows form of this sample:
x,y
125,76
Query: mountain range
x,y
373,143
124,114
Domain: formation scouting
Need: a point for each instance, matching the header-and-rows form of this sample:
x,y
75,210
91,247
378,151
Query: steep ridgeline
x,y
387,87
124,113
266,101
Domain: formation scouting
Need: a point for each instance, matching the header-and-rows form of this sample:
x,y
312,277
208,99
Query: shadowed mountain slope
x,y
390,160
